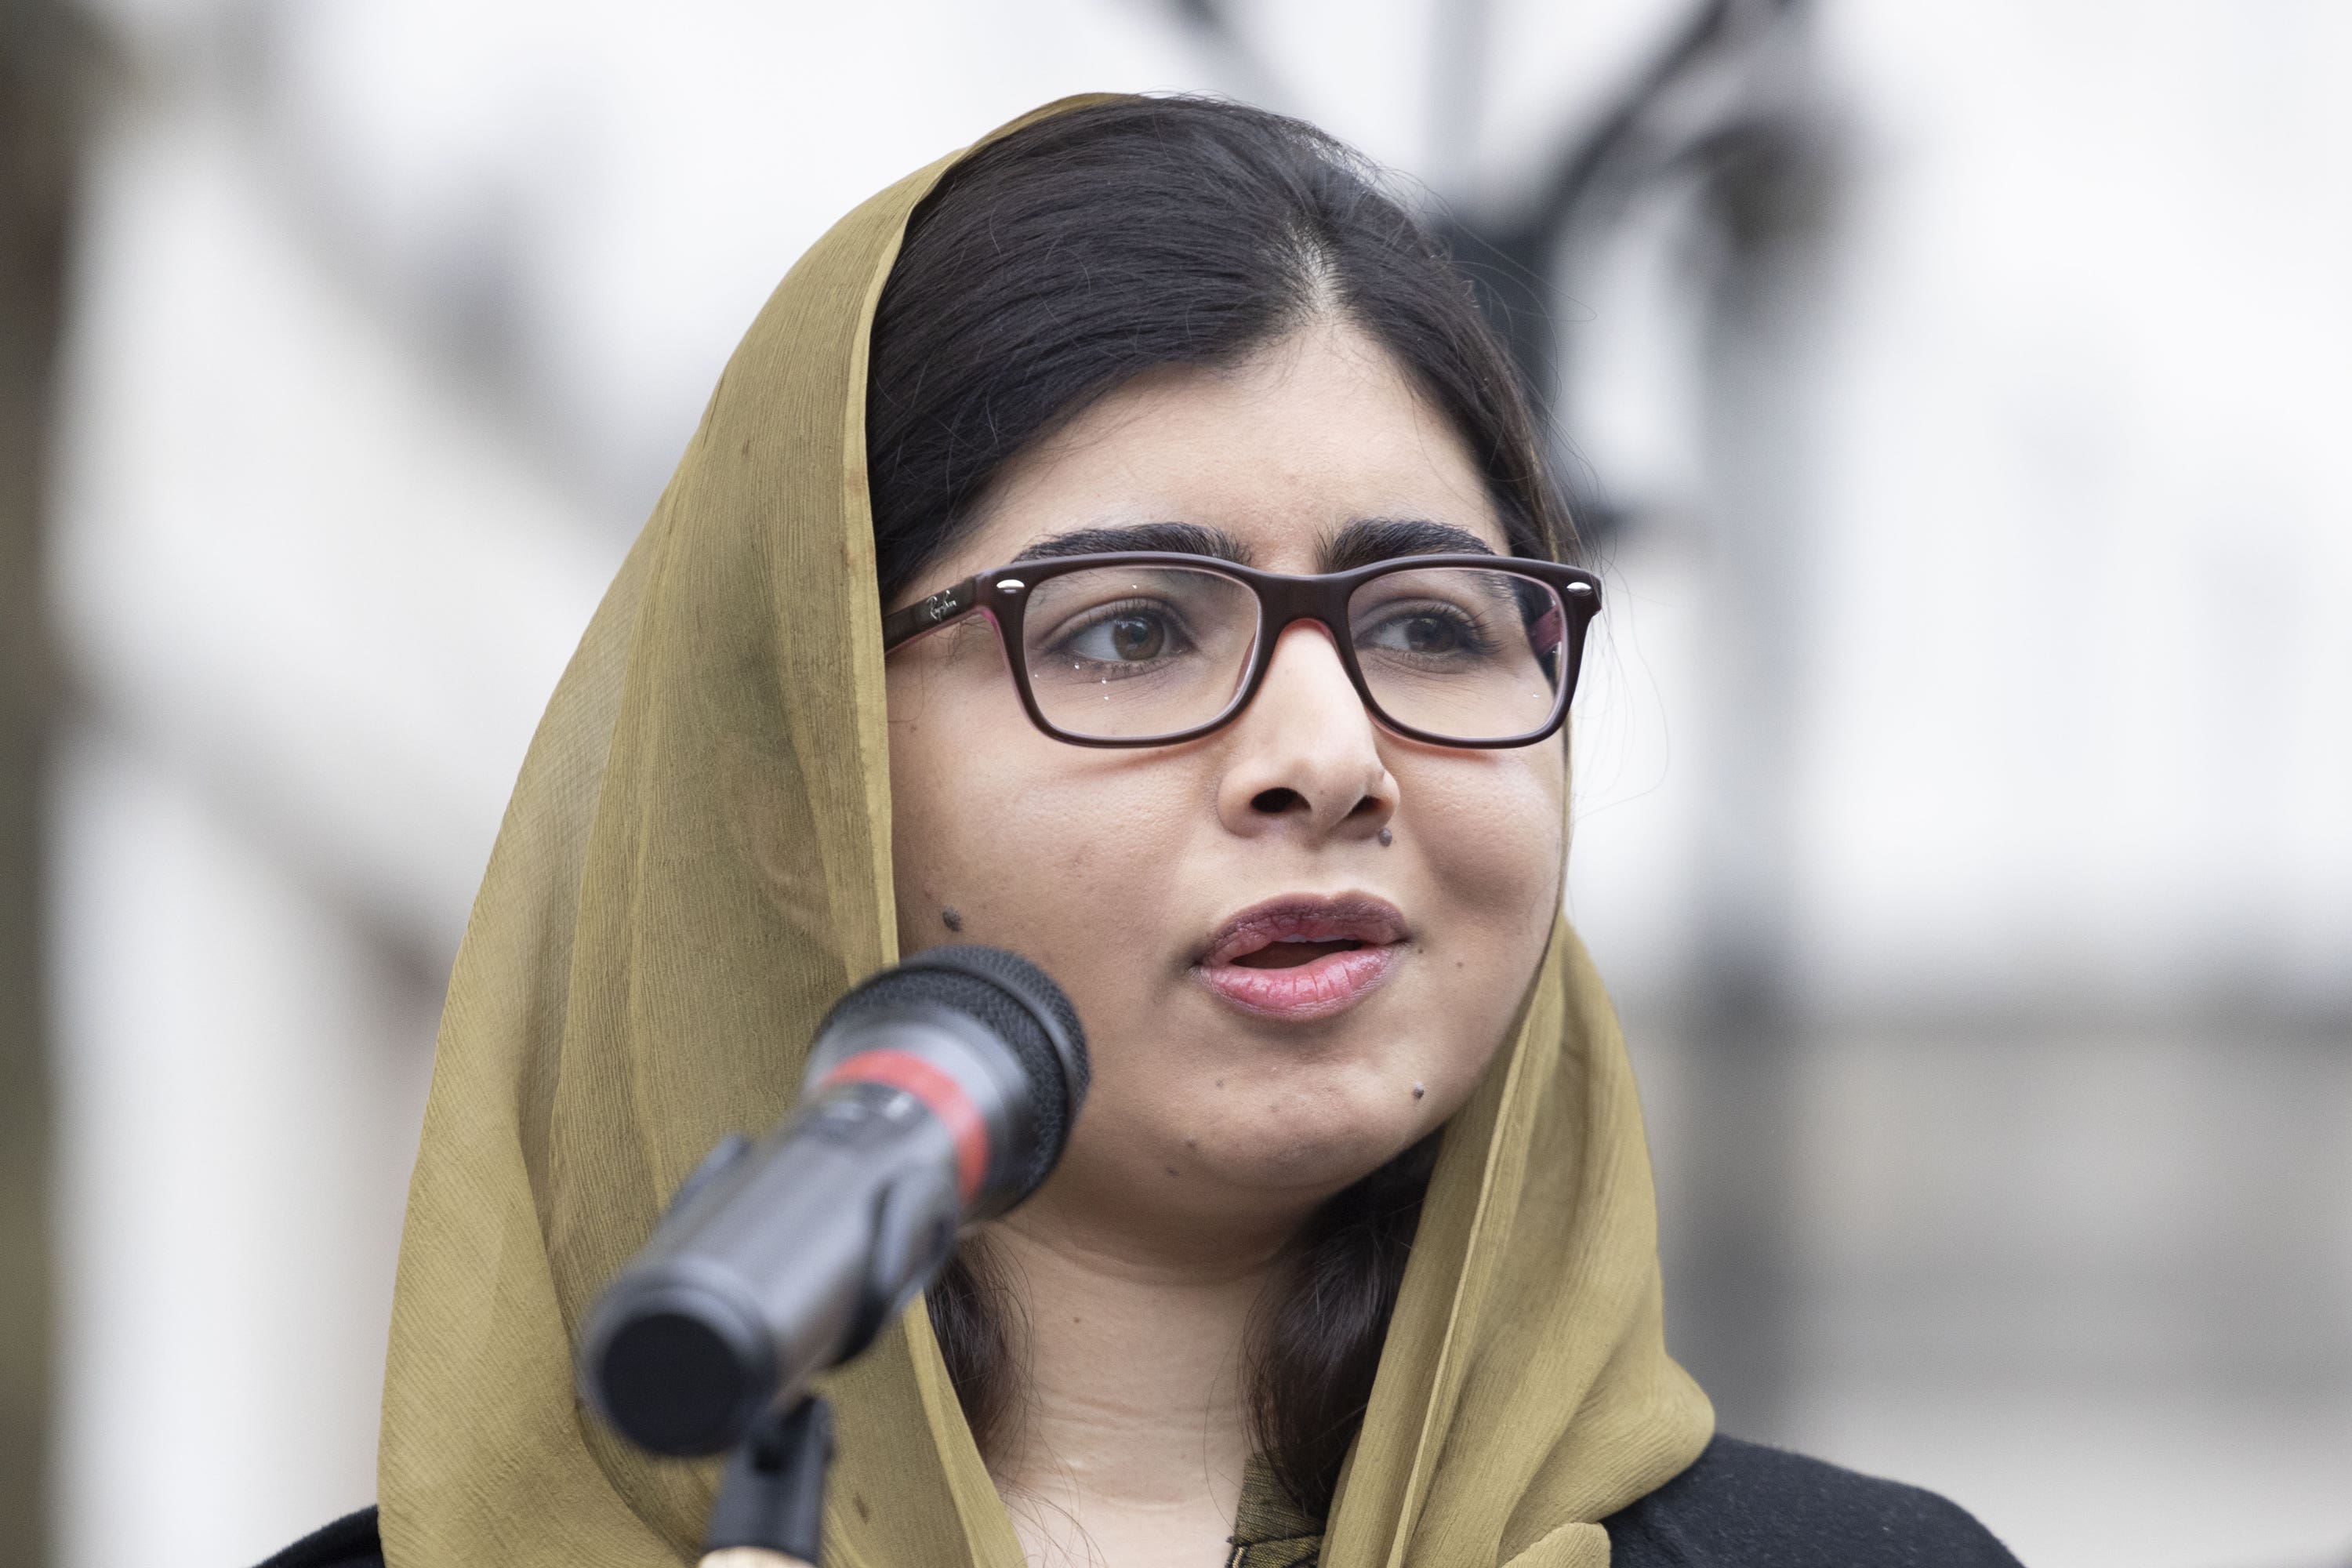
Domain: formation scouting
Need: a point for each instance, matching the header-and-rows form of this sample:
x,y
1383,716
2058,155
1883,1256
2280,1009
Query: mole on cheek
x,y
951,918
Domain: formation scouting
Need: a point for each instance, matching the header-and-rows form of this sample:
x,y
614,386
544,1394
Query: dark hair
x,y
1048,268
1057,263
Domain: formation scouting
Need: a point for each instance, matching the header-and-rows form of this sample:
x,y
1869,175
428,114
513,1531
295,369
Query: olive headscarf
x,y
694,866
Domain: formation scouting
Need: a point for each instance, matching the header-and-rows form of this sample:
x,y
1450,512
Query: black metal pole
x,y
773,1499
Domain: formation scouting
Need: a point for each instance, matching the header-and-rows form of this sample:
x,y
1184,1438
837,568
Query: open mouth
x,y
1304,956
1291,954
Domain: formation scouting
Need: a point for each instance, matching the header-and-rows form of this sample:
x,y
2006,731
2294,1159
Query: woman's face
x,y
1233,1085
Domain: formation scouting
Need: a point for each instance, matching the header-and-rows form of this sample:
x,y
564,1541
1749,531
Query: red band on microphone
x,y
941,1095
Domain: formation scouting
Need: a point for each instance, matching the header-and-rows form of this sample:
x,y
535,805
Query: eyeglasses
x,y
1147,648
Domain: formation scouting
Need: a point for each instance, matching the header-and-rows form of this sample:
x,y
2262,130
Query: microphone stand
x,y
770,1507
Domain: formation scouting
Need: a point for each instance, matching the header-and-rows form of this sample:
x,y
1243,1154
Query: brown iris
x,y
1137,636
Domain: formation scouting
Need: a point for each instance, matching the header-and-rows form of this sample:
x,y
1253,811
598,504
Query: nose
x,y
1303,756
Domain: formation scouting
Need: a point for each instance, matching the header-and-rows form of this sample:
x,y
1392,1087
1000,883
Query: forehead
x,y
1281,452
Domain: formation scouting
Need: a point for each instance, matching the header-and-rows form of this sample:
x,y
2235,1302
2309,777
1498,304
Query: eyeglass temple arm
x,y
921,616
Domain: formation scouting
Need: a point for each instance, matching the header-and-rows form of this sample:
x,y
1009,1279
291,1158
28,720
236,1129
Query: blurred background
x,y
1954,394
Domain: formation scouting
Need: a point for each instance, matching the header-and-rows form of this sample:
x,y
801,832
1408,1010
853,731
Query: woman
x,y
1351,1257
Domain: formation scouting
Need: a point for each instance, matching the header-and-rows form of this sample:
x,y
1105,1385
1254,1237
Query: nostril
x,y
1274,802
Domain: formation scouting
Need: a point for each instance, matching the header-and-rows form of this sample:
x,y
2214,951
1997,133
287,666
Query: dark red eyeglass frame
x,y
1283,599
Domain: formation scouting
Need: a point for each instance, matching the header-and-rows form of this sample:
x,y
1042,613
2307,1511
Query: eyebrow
x,y
1359,543
1176,538
1371,539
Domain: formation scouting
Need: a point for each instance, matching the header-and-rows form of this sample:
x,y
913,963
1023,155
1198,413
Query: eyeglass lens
x,y
1126,652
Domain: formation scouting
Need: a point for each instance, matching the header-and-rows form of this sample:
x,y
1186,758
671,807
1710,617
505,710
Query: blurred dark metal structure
x,y
1727,122
1723,97
42,56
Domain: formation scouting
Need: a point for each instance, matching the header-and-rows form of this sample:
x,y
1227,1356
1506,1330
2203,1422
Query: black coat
x,y
1742,1505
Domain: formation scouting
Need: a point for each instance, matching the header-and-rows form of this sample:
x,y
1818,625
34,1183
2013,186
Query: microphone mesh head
x,y
1020,1005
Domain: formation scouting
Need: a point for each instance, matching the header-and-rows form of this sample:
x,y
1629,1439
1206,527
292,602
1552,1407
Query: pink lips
x,y
1322,984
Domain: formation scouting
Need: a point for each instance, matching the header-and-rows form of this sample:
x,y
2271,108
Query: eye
x,y
1430,634
1126,634
1426,631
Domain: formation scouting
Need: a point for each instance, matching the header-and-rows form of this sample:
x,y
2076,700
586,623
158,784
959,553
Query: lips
x,y
1303,957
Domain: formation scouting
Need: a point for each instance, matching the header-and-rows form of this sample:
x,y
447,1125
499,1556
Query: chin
x,y
1314,1146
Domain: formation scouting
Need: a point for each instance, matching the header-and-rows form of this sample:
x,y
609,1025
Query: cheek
x,y
1073,859
1490,832
1489,846
1056,852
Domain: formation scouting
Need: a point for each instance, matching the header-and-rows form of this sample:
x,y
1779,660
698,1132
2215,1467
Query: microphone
x,y
937,1093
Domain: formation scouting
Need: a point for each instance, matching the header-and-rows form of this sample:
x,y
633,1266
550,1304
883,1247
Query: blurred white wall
x,y
313,604
390,321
